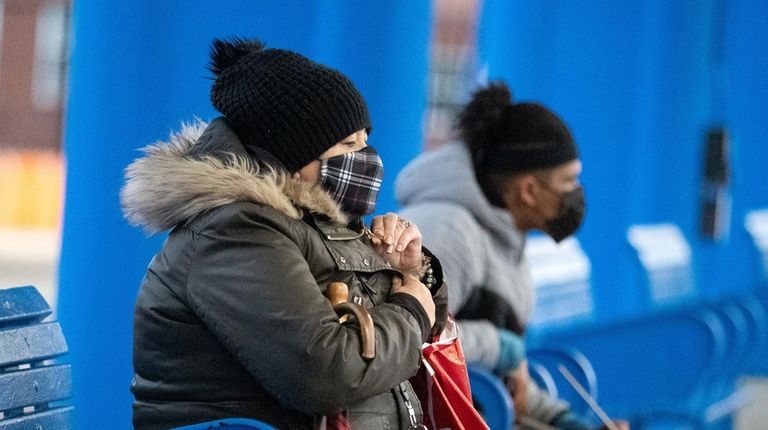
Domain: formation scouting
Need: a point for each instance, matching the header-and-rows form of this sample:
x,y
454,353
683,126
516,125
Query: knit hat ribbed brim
x,y
509,137
283,102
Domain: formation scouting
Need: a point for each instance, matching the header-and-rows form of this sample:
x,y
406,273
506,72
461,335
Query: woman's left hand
x,y
398,241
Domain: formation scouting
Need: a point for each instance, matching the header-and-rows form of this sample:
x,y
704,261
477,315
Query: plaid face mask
x,y
353,179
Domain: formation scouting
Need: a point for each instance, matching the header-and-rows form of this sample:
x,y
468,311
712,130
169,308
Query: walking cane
x,y
338,294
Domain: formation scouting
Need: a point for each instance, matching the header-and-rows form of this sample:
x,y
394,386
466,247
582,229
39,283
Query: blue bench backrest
x,y
665,257
229,424
491,398
756,223
642,372
32,385
543,364
561,278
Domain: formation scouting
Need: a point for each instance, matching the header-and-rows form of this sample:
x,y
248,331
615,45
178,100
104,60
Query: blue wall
x,y
138,68
729,267
641,83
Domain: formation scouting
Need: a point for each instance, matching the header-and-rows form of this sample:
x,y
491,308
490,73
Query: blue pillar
x,y
382,46
732,266
137,69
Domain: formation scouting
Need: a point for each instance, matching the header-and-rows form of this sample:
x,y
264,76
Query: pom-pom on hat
x,y
283,102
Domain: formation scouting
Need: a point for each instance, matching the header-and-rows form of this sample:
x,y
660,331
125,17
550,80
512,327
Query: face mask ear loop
x,y
548,187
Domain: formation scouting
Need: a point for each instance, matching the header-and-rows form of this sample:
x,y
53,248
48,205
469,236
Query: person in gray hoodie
x,y
515,169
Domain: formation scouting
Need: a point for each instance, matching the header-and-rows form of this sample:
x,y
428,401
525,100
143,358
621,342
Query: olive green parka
x,y
231,318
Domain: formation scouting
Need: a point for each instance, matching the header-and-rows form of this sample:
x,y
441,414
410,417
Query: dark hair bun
x,y
480,120
225,53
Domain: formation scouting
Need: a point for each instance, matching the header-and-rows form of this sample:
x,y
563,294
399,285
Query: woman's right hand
x,y
409,284
398,241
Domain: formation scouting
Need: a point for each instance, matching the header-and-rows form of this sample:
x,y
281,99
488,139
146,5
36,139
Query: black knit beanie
x,y
283,102
508,138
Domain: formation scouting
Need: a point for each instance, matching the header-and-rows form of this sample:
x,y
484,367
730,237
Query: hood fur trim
x,y
165,187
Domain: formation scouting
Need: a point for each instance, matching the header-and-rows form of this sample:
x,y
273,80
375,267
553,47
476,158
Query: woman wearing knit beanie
x,y
264,208
516,168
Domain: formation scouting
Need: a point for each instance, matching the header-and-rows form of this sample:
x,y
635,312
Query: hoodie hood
x,y
445,174
204,166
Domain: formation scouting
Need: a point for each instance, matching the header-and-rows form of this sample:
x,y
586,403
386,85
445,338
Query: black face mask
x,y
569,217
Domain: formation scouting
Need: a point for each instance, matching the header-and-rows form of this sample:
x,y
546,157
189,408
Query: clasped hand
x,y
398,241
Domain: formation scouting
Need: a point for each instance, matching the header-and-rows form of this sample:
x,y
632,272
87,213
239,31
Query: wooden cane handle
x,y
338,294
367,332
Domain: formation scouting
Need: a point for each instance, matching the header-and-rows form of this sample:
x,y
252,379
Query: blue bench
x,y
644,375
561,275
543,365
229,424
666,263
756,224
495,404
32,384
666,260
491,398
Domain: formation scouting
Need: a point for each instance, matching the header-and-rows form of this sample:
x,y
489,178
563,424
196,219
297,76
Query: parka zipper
x,y
415,424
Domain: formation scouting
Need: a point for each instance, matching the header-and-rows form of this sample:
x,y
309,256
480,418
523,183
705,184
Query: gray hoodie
x,y
481,251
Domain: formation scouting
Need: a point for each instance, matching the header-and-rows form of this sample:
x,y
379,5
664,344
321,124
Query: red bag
x,y
442,384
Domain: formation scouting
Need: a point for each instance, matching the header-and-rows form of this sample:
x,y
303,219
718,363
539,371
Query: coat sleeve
x,y
450,234
439,294
252,287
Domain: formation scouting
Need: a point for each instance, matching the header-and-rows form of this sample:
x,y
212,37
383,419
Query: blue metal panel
x,y
730,266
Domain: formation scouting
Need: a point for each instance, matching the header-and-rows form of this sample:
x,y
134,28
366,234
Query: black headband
x,y
524,156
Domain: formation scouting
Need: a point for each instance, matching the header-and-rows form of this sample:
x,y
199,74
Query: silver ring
x,y
404,222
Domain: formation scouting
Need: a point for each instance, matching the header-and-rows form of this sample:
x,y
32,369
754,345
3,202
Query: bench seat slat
x,y
31,343
35,386
26,343
52,419
22,306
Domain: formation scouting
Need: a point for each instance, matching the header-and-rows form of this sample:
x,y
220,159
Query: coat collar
x,y
204,166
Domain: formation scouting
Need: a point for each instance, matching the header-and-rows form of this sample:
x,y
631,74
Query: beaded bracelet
x,y
428,278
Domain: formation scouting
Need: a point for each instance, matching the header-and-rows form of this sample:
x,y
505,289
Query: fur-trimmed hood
x,y
204,166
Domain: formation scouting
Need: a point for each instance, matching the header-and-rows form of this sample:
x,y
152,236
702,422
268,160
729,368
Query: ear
x,y
296,175
528,189
509,191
